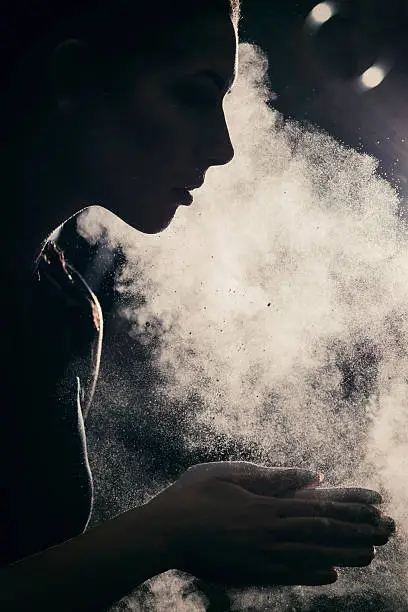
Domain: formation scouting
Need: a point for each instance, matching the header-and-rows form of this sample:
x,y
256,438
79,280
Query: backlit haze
x,y
276,310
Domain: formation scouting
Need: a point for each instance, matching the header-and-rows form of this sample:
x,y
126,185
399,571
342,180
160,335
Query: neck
x,y
45,194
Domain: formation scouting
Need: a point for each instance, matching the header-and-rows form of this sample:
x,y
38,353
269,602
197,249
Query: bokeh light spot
x,y
373,76
322,12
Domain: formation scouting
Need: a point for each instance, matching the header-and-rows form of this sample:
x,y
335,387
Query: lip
x,y
182,195
194,186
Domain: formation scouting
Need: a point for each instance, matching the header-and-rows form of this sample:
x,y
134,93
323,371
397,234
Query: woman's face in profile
x,y
144,153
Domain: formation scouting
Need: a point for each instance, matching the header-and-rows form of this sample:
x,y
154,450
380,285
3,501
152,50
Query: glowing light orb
x,y
373,76
322,12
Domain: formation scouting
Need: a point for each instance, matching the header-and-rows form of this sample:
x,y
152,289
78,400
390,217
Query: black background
x,y
313,74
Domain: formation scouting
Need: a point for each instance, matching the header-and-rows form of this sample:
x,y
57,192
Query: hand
x,y
346,495
224,522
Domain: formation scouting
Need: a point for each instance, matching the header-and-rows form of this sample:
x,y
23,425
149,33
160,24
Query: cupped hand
x,y
229,522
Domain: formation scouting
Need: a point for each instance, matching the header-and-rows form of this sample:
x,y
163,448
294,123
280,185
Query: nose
x,y
219,146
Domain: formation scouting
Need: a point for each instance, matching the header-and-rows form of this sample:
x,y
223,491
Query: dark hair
x,y
112,30
109,26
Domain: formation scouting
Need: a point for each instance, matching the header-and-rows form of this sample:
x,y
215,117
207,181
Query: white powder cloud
x,y
282,300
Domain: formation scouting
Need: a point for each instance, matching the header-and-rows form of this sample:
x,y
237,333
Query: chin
x,y
153,228
150,215
147,224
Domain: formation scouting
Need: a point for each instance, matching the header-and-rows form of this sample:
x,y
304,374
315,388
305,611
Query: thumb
x,y
255,478
284,480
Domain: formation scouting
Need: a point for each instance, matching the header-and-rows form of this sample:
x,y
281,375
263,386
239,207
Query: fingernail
x,y
381,536
377,517
318,479
388,523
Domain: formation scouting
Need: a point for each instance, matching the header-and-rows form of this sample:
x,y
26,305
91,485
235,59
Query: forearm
x,y
90,572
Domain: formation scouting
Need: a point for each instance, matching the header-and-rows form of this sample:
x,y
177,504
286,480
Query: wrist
x,y
104,563
145,533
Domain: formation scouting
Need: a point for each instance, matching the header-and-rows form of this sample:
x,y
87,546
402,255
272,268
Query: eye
x,y
197,95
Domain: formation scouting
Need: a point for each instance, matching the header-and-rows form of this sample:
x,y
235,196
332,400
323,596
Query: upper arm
x,y
47,480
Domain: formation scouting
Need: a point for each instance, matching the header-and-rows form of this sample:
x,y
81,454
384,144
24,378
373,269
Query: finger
x,y
252,574
255,478
320,577
276,576
327,530
321,557
362,496
274,482
388,523
349,512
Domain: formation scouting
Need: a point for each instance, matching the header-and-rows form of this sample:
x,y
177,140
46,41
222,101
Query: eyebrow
x,y
217,79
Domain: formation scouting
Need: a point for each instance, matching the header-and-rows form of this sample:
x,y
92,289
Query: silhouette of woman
x,y
120,104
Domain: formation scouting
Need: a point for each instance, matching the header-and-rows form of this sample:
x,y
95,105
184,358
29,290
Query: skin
x,y
234,523
227,522
128,152
166,135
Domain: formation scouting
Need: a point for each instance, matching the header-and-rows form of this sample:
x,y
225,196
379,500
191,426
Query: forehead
x,y
211,40
206,44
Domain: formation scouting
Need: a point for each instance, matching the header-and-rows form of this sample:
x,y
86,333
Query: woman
x,y
121,105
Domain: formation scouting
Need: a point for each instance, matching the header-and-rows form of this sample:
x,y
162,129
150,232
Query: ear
x,y
71,75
